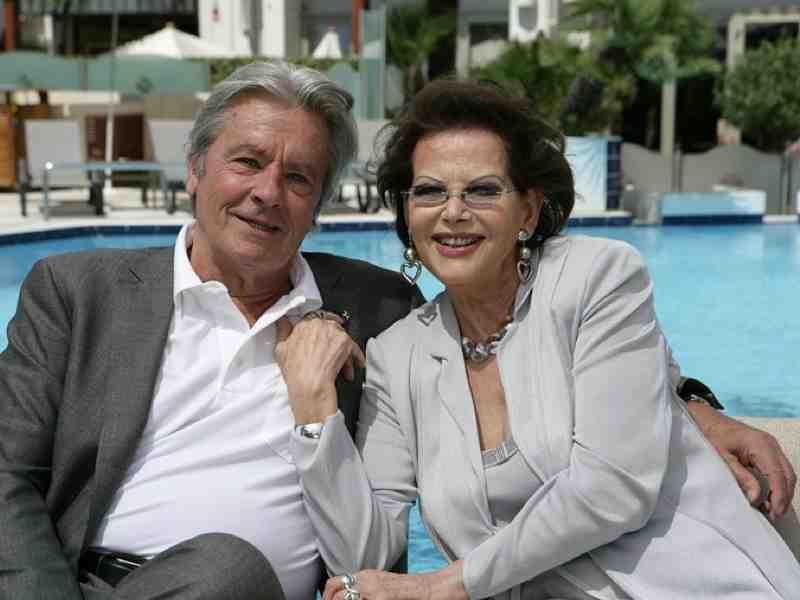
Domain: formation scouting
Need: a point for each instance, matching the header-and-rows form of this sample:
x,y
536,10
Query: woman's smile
x,y
454,246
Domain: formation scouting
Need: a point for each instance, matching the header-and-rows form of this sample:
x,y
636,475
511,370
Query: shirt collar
x,y
302,298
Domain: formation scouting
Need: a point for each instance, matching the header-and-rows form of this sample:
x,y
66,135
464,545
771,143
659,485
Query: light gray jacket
x,y
629,481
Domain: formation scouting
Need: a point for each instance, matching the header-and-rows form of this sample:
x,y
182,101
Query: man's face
x,y
262,182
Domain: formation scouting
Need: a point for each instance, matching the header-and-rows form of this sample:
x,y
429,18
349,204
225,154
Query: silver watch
x,y
310,430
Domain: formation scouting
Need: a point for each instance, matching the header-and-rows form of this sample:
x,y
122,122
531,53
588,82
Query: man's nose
x,y
268,186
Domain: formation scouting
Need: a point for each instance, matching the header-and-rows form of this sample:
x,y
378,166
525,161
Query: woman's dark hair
x,y
535,149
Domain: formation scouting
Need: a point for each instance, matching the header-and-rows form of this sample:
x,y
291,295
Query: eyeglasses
x,y
478,195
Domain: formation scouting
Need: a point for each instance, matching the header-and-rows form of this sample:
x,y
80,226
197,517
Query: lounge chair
x,y
358,174
169,138
55,141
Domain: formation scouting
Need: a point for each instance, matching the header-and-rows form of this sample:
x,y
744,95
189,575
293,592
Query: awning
x,y
132,74
36,70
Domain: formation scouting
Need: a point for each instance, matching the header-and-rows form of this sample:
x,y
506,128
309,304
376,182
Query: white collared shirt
x,y
214,455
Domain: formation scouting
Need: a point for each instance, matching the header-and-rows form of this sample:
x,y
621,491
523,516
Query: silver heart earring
x,y
524,269
411,268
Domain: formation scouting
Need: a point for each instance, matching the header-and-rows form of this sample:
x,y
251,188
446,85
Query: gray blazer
x,y
630,483
76,384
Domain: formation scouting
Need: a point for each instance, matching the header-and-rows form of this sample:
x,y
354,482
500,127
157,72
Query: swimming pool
x,y
728,298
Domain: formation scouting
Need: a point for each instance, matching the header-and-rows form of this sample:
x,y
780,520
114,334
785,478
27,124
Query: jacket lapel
x,y
144,311
460,484
453,387
337,297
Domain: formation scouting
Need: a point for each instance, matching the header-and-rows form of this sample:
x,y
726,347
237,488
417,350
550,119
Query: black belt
x,y
111,567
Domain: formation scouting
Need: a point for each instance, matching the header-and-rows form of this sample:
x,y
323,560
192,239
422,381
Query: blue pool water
x,y
728,298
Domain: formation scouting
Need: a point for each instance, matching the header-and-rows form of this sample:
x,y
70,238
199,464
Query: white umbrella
x,y
167,43
175,44
329,46
483,53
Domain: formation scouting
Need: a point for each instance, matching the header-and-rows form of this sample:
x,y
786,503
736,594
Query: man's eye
x,y
248,162
299,184
298,178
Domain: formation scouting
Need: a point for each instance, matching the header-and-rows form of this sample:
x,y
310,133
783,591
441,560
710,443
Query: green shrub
x,y
760,95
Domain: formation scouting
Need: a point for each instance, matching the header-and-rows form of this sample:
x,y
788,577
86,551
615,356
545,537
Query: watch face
x,y
311,430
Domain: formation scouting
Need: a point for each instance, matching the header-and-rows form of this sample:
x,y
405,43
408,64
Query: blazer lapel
x,y
337,297
453,386
139,335
519,369
460,484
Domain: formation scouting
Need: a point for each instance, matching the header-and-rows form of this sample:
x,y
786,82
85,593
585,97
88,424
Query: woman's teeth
x,y
457,242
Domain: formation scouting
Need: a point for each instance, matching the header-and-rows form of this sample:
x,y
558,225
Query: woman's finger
x,y
358,355
355,359
333,585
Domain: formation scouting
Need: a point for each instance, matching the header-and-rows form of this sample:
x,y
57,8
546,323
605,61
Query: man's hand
x,y
742,446
311,355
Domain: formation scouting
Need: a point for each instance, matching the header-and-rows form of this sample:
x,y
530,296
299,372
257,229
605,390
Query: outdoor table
x,y
106,167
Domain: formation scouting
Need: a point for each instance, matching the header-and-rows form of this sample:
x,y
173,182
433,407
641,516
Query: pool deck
x,y
124,209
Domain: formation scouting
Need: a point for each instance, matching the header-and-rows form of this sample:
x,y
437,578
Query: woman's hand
x,y
742,446
446,584
311,355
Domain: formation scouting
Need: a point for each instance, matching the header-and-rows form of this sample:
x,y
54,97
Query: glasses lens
x,y
427,194
483,195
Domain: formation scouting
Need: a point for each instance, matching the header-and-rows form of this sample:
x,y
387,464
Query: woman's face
x,y
470,248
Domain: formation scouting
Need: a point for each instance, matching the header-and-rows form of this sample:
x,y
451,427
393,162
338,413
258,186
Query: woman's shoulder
x,y
577,255
577,247
576,267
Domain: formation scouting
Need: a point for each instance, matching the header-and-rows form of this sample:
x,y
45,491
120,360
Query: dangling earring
x,y
524,269
411,268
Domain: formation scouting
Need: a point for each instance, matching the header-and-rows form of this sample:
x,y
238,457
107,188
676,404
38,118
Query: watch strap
x,y
693,390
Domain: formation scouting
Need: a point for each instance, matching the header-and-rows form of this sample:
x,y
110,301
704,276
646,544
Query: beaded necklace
x,y
478,352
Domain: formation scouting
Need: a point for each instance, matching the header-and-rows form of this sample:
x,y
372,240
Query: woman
x,y
530,406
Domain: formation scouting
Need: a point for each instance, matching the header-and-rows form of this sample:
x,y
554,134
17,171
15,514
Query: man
x,y
140,404
144,423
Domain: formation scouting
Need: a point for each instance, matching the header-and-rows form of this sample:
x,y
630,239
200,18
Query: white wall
x,y
222,23
274,28
528,18
225,22
474,12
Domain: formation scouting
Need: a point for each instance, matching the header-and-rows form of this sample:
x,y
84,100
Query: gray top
x,y
510,482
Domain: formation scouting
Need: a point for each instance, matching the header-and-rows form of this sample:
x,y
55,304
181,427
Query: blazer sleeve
x,y
359,508
32,564
620,439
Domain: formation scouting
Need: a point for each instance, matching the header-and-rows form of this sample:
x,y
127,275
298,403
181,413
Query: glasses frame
x,y
445,194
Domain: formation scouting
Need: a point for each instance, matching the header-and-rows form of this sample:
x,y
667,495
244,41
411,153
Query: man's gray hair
x,y
295,85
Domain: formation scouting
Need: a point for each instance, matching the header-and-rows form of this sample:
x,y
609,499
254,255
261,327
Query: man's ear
x,y
191,177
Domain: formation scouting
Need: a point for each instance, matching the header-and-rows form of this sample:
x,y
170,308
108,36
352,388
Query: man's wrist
x,y
708,419
695,391
313,407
